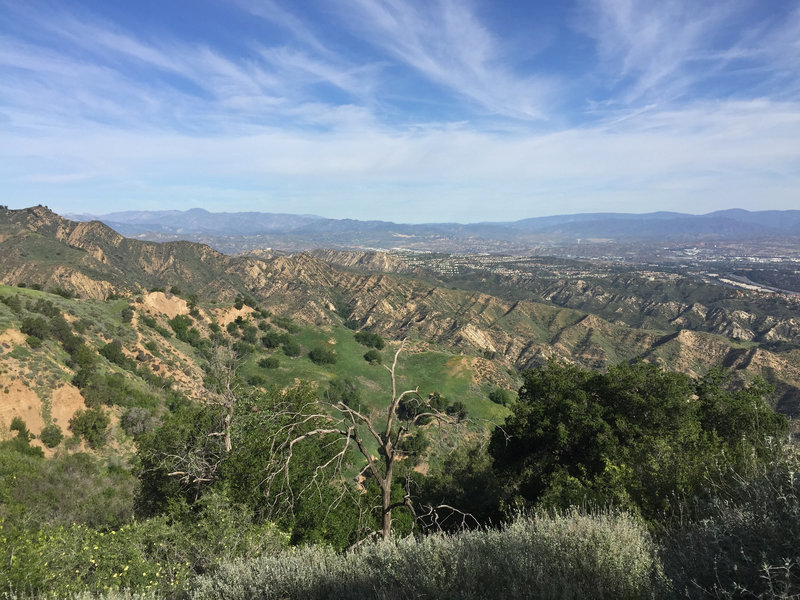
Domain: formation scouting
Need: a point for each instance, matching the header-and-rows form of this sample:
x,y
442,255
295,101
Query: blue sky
x,y
430,110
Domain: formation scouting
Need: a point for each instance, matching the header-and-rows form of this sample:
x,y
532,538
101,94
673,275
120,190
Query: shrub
x,y
571,555
269,362
18,425
250,333
273,339
373,357
113,352
61,291
127,314
742,539
415,444
256,380
180,325
44,307
351,324
322,356
457,409
636,436
344,390
82,325
12,302
36,327
51,435
137,421
367,338
92,425
242,348
500,396
291,348
286,323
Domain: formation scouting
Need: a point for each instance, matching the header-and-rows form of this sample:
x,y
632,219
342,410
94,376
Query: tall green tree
x,y
636,436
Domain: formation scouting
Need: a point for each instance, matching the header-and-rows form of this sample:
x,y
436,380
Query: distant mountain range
x,y
241,231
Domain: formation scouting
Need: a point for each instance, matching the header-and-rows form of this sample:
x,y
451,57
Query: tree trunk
x,y
386,502
386,490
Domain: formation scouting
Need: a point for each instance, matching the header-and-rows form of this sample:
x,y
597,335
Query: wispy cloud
x,y
445,42
318,119
665,51
109,75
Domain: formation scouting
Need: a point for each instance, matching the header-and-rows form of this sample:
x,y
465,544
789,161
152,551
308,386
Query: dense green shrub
x,y
291,348
113,352
351,324
62,291
184,442
44,307
68,488
269,362
60,561
51,435
256,380
21,428
92,425
367,338
180,324
457,409
36,327
322,356
501,396
344,390
373,357
250,333
273,339
415,445
34,342
242,348
285,323
12,302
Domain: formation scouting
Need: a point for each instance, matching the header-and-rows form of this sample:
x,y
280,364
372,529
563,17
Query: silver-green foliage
x,y
570,555
743,541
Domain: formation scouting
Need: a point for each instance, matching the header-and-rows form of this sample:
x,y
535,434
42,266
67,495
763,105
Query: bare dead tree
x,y
222,368
347,428
200,463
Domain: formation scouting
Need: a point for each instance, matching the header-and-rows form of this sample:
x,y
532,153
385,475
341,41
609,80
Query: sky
x,y
409,111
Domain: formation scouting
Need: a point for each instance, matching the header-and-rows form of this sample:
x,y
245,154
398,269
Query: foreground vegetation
x,y
635,482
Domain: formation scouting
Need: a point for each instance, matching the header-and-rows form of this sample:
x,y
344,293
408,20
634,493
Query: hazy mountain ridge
x,y
240,232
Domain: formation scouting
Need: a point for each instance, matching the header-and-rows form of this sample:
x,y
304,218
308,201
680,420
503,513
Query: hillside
x,y
153,395
516,320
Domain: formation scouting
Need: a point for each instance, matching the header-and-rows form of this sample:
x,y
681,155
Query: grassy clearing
x,y
446,373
